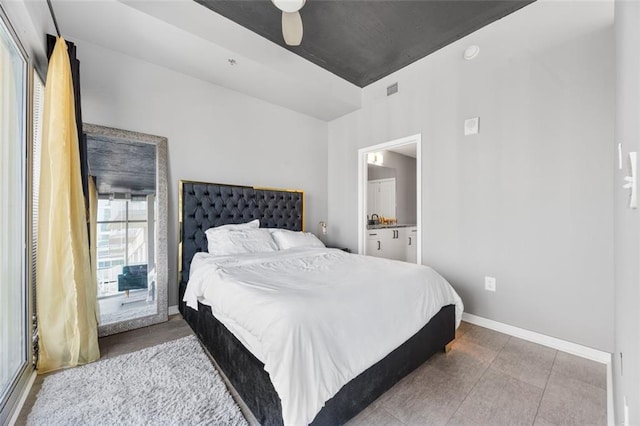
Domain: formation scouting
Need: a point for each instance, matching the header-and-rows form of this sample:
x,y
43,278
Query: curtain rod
x,y
53,16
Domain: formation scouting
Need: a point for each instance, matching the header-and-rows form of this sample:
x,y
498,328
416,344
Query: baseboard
x,y
23,398
173,310
541,339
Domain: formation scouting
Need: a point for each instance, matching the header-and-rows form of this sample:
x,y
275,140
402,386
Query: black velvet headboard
x,y
205,205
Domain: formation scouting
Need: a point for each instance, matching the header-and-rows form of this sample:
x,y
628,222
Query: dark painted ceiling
x,y
365,40
122,166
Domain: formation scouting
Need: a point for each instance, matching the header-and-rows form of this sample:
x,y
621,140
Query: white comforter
x,y
317,318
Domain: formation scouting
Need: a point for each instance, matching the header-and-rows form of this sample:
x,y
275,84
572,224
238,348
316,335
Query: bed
x,y
204,206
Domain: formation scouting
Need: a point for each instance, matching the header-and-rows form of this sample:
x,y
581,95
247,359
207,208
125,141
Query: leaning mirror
x,y
128,226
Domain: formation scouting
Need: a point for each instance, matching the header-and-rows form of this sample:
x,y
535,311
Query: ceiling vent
x,y
392,89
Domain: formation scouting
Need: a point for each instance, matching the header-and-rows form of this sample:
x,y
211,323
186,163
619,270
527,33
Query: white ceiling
x,y
409,150
189,38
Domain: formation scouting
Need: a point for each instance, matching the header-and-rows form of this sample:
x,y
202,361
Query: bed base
x,y
247,375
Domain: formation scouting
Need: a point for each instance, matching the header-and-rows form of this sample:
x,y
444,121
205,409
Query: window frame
x,y
26,375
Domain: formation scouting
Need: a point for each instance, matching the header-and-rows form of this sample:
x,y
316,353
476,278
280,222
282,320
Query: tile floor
x,y
488,378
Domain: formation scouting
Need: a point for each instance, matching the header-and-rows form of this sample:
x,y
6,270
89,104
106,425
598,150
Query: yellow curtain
x,y
66,291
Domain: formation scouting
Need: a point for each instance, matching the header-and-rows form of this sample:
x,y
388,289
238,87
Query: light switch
x,y
471,126
630,181
619,156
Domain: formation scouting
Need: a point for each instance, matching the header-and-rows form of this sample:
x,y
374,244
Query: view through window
x,y
121,240
13,288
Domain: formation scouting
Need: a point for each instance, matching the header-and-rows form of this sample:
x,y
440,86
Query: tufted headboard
x,y
205,205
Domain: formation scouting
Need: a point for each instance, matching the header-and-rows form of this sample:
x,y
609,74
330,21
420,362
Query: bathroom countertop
x,y
395,225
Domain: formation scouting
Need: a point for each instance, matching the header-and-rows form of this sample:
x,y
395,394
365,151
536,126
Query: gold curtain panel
x,y
66,290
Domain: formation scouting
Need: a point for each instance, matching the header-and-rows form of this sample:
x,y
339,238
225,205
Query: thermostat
x,y
471,126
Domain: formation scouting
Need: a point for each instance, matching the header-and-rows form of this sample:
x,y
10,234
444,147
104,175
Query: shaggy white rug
x,y
169,384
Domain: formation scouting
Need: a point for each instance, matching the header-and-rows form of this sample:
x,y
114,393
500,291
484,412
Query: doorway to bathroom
x,y
390,200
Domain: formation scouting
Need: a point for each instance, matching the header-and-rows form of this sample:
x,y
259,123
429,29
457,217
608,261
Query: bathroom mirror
x,y
381,192
128,226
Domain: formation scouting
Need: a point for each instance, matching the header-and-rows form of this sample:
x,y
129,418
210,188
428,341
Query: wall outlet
x,y
490,283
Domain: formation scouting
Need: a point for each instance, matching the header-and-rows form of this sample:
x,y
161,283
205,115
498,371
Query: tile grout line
x,y
497,355
545,386
515,378
477,381
381,407
582,382
578,379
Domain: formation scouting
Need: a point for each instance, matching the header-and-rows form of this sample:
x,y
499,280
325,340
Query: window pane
x,y
138,210
112,210
137,253
122,240
36,148
13,325
111,256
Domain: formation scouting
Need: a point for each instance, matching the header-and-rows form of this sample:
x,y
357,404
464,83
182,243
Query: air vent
x,y
392,89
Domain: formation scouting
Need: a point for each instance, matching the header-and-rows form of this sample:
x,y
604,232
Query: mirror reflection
x,y
381,194
124,228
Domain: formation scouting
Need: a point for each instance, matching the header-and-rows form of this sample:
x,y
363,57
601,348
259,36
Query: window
x,y
121,240
37,117
14,302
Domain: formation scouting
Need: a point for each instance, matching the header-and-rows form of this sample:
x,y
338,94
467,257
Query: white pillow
x,y
239,241
289,239
234,227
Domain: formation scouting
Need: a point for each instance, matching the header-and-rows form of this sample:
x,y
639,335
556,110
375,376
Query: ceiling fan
x,y
291,20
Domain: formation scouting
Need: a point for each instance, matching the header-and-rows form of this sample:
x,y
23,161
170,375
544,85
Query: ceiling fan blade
x,y
289,6
292,28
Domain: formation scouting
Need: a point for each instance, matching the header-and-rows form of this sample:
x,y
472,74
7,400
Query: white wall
x,y
626,378
215,134
529,199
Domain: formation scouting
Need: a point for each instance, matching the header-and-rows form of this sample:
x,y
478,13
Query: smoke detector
x,y
471,52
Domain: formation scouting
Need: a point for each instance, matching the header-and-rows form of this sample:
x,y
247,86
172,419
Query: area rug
x,y
169,384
